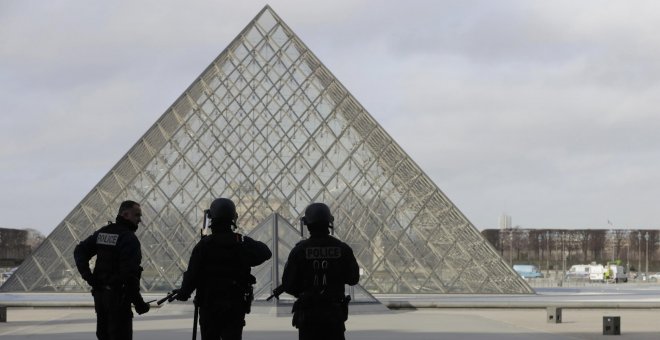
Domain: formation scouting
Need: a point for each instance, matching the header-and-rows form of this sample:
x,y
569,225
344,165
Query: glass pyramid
x,y
269,126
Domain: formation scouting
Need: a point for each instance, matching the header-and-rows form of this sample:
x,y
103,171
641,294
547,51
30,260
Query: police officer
x,y
116,278
219,269
315,273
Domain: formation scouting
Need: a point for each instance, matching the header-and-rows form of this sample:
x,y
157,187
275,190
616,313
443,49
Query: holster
x,y
111,300
315,310
235,297
248,297
344,306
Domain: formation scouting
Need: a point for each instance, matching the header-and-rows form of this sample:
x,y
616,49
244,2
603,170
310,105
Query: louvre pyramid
x,y
269,126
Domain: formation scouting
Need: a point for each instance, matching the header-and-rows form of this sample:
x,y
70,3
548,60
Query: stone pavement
x,y
174,321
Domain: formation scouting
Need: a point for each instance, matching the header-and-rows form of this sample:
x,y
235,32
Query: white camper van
x,y
578,272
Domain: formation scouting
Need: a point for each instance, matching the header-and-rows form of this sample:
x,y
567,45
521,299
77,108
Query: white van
x,y
597,272
578,271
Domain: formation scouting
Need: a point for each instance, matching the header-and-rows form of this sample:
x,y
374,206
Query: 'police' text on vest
x,y
313,253
107,239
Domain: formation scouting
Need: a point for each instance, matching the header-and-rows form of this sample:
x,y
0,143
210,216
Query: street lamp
x,y
639,252
612,236
556,264
563,255
547,256
646,237
511,246
628,256
613,243
540,259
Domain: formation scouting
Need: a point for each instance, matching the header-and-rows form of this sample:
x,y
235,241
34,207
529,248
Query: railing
x,y
584,282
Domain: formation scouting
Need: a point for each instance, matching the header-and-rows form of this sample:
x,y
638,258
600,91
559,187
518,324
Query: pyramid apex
x,y
267,8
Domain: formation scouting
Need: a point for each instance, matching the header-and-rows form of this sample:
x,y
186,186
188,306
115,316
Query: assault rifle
x,y
169,298
276,293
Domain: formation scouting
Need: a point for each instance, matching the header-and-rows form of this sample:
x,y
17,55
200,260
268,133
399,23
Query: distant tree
x,y
493,237
521,243
597,240
534,239
582,238
654,238
619,237
634,241
580,245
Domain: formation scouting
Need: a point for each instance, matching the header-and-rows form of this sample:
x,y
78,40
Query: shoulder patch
x,y
313,253
107,239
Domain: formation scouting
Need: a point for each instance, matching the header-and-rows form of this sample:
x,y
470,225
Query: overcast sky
x,y
547,111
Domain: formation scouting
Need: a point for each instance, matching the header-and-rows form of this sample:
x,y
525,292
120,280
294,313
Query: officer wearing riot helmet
x,y
116,278
219,269
315,273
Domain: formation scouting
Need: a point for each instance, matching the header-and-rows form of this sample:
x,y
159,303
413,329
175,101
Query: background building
x,y
17,244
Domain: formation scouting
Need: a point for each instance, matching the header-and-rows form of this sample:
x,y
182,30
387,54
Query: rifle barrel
x,y
169,298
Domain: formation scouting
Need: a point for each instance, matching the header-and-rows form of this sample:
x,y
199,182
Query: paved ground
x,y
174,322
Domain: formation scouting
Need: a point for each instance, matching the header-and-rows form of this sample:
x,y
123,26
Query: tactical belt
x,y
109,287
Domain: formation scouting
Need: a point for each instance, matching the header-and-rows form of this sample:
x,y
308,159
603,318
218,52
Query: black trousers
x,y
114,318
224,321
319,321
316,333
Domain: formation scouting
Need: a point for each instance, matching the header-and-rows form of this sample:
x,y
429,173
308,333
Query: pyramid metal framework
x,y
269,126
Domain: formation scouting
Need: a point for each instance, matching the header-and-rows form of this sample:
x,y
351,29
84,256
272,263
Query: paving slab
x,y
175,321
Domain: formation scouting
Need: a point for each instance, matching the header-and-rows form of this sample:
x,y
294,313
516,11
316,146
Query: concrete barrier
x,y
554,315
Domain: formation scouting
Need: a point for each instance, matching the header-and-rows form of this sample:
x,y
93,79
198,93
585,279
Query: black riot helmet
x,y
222,212
317,216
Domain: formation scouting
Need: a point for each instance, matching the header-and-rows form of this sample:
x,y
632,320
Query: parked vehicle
x,y
578,271
527,271
607,273
597,272
653,277
616,273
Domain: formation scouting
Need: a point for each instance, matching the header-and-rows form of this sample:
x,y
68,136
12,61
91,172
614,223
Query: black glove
x,y
91,280
142,307
180,295
276,293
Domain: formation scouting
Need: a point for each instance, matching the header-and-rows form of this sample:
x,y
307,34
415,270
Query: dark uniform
x,y
219,269
315,273
116,278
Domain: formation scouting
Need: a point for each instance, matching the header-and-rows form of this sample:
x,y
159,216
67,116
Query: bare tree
x,y
581,245
521,243
619,237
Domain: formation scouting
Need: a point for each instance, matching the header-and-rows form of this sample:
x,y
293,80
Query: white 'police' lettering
x,y
313,253
107,239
